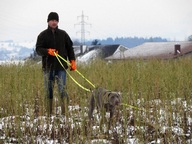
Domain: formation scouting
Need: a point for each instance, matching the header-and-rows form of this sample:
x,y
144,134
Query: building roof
x,y
105,50
162,50
101,51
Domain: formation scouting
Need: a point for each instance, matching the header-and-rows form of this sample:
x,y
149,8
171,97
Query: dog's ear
x,y
120,95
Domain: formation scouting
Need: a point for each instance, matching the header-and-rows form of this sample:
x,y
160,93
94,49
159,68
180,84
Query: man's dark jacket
x,y
58,40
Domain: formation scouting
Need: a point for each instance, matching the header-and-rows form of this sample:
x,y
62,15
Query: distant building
x,y
162,50
101,51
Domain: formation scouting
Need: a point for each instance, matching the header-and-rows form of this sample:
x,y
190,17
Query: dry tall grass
x,y
161,87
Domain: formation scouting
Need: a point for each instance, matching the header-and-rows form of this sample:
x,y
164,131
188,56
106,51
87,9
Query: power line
x,y
83,23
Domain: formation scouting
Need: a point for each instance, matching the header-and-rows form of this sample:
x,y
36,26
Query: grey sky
x,y
24,19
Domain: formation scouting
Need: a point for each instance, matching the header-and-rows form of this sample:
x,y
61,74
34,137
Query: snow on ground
x,y
12,62
156,126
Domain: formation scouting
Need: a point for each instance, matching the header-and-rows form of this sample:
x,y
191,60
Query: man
x,y
50,42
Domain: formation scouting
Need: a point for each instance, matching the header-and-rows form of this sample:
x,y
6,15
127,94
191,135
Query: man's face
x,y
53,23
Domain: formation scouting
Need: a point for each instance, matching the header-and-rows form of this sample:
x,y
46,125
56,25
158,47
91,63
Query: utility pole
x,y
82,23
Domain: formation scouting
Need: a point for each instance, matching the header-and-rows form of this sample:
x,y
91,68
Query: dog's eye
x,y
113,97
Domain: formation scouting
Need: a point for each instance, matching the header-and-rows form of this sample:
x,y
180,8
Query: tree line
x,y
125,41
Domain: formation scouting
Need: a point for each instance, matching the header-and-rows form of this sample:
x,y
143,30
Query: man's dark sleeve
x,y
70,49
40,49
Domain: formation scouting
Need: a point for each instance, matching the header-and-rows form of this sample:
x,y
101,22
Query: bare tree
x,y
190,38
95,42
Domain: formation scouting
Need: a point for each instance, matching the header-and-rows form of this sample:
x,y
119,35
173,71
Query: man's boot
x,y
49,106
64,105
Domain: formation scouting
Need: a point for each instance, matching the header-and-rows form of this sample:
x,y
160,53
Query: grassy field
x,y
159,90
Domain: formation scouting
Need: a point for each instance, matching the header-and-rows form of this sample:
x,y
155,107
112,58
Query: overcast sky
x,y
23,20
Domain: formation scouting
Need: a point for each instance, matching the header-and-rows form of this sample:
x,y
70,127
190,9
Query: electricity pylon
x,y
83,23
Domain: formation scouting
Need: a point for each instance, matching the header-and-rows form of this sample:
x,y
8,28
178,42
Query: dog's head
x,y
114,98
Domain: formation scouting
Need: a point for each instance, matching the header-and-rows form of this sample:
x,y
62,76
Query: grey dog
x,y
104,100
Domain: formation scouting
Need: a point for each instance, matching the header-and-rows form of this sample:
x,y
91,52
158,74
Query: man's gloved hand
x,y
51,51
73,65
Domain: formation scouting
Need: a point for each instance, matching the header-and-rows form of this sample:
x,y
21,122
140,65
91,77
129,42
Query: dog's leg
x,y
111,120
103,119
112,110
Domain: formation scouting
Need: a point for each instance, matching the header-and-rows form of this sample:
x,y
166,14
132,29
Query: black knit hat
x,y
53,16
